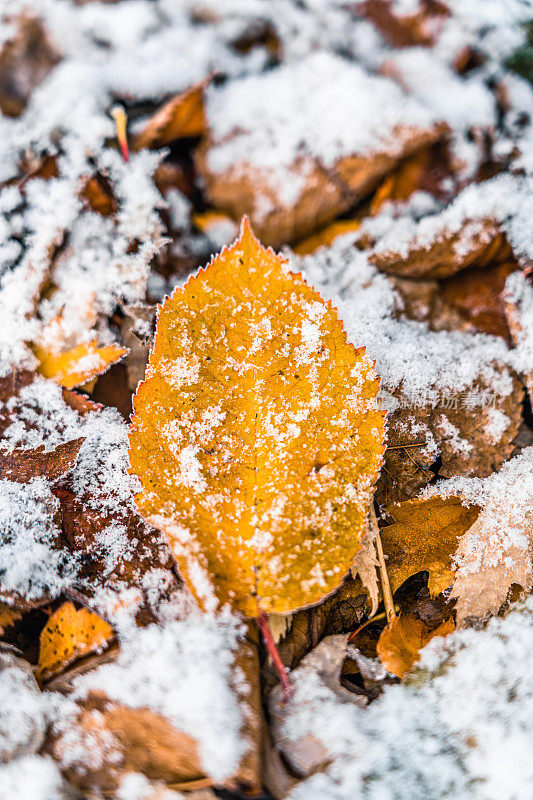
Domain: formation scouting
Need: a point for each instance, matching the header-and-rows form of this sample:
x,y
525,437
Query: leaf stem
x,y
270,644
385,585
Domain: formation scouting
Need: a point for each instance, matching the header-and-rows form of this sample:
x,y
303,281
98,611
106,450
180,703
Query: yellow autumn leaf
x,y
78,365
69,634
257,435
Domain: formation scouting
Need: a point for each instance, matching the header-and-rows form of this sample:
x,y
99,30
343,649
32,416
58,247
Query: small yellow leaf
x,y
69,634
327,235
400,643
257,435
80,364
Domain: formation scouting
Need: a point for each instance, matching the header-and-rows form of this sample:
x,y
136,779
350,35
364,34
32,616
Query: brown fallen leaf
x,y
24,465
476,295
478,242
319,191
97,193
425,536
25,61
84,527
69,634
79,365
130,740
342,612
402,640
258,465
182,116
462,429
422,27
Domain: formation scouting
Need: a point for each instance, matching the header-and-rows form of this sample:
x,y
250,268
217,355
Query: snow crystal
x,y
32,778
460,729
184,672
506,498
502,199
425,364
31,563
322,106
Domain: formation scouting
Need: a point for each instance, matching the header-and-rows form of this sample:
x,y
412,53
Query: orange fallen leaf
x,y
183,116
78,365
425,536
402,640
98,195
326,236
8,617
69,634
402,182
257,435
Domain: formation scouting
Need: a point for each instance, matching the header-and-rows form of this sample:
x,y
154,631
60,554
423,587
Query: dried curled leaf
x,y
402,640
425,536
24,465
80,364
181,117
257,435
69,634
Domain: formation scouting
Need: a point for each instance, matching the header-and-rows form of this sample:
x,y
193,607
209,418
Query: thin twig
x,y
270,644
405,446
385,585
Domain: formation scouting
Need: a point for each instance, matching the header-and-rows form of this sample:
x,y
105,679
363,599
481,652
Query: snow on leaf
x,y
70,634
23,465
257,435
283,149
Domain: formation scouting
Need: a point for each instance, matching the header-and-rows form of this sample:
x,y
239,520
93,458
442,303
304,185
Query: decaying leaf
x,y
477,243
313,179
341,612
24,465
98,195
425,536
257,436
486,571
130,740
402,640
80,364
180,117
473,433
25,61
69,634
